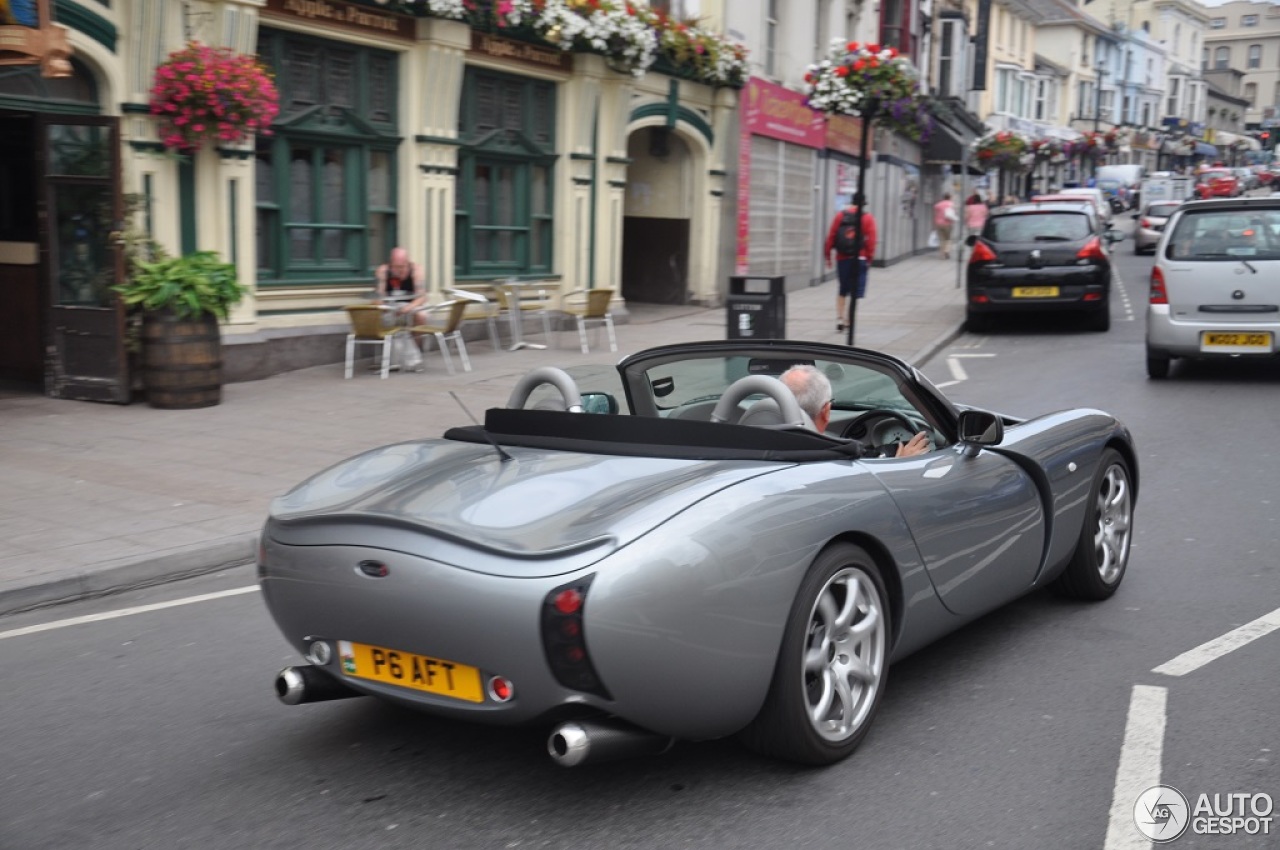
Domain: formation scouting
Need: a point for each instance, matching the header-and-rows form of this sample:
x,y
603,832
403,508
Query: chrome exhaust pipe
x,y
578,742
296,685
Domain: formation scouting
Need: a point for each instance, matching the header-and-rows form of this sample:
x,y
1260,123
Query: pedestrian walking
x,y
975,213
850,263
944,219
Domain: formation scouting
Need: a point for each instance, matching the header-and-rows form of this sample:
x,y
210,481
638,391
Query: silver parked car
x,y
689,558
1151,222
1215,286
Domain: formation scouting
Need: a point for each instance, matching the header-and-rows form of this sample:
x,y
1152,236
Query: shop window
x,y
895,27
325,180
503,223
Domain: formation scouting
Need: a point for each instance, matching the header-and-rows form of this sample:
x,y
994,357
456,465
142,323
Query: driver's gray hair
x,y
812,389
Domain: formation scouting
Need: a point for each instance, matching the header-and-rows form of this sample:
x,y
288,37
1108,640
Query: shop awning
x,y
946,147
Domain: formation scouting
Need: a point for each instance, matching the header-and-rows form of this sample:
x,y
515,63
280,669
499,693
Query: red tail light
x,y
981,254
1158,294
564,639
1146,222
1092,250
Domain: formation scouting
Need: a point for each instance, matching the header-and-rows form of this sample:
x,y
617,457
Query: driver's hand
x,y
917,445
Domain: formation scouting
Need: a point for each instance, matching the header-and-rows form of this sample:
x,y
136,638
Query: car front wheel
x,y
832,666
1102,552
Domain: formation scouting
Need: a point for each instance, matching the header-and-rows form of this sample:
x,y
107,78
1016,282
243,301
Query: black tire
x,y
1102,551
976,323
793,724
1157,366
1100,320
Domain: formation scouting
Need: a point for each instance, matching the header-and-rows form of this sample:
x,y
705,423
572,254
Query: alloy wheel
x,y
844,657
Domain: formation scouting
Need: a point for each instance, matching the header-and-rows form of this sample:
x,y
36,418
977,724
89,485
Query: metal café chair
x,y
590,306
444,322
367,328
479,307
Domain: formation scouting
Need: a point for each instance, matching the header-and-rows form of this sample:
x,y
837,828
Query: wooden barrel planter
x,y
181,361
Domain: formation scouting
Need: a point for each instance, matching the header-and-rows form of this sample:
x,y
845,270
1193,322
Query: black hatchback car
x,y
1038,257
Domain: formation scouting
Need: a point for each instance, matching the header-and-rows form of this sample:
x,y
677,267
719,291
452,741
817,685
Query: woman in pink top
x,y
944,218
975,213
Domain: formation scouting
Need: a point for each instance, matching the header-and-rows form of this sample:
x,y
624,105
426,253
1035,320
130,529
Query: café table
x,y
517,301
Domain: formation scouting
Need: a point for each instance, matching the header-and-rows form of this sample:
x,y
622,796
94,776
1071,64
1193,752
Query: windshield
x,y
1037,227
1211,235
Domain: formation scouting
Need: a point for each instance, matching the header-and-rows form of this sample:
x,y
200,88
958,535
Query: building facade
x,y
486,153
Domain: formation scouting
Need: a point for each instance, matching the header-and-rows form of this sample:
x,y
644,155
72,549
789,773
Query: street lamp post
x,y
1097,103
869,108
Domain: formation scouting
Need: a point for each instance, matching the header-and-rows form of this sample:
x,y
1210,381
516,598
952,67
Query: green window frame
x,y
326,178
504,222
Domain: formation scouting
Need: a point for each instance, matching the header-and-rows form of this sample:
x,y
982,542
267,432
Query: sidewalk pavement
x,y
96,498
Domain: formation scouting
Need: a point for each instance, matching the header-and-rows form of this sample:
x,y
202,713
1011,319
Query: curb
x,y
129,574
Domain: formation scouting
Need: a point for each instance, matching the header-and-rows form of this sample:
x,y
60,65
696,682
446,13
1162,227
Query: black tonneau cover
x,y
642,436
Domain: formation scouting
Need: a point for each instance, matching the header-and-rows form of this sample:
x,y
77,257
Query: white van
x,y
1129,175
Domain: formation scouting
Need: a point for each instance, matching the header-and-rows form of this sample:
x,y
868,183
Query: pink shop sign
x,y
780,113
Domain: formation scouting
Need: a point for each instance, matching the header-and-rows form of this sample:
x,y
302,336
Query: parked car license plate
x,y
410,670
1035,292
1259,341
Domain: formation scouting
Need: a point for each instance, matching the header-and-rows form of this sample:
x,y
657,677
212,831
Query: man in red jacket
x,y
840,242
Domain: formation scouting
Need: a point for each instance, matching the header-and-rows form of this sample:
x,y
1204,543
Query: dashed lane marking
x,y
125,612
1212,650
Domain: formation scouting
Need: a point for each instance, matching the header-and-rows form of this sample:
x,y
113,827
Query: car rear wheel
x,y
1102,552
1100,320
976,323
1157,366
832,666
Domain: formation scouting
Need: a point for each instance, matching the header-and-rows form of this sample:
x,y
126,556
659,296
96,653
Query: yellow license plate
x,y
1258,341
410,670
1035,292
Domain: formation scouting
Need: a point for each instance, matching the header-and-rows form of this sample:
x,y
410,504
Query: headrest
x,y
766,414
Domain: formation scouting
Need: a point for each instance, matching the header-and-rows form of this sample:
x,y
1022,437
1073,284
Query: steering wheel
x,y
557,378
862,427
727,407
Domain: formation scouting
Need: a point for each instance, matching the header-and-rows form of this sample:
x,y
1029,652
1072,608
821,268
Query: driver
x,y
812,390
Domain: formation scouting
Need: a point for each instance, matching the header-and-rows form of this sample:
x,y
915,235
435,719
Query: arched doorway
x,y
656,217
59,213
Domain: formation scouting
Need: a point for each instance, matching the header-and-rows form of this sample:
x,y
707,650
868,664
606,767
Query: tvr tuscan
x,y
670,551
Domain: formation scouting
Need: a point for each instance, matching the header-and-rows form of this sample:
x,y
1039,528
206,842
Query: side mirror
x,y
979,428
971,239
599,403
1136,216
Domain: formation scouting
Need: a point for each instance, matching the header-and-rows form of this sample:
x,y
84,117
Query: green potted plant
x,y
180,301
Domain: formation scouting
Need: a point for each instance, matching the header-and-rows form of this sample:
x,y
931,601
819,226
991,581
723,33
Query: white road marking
x,y
125,612
1125,301
1139,768
957,371
1196,658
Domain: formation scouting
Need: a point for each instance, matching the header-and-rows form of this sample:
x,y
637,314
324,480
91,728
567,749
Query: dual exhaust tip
x,y
573,743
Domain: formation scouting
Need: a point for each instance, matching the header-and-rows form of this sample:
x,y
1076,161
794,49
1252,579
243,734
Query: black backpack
x,y
847,234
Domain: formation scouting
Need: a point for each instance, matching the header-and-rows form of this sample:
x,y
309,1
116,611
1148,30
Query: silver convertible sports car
x,y
669,550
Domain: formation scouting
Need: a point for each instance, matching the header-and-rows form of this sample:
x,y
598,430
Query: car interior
x,y
869,405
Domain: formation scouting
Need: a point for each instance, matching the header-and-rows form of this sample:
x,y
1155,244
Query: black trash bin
x,y
757,308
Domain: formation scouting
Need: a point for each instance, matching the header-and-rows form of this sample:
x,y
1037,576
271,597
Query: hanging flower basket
x,y
1097,144
204,94
629,35
1004,149
855,78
